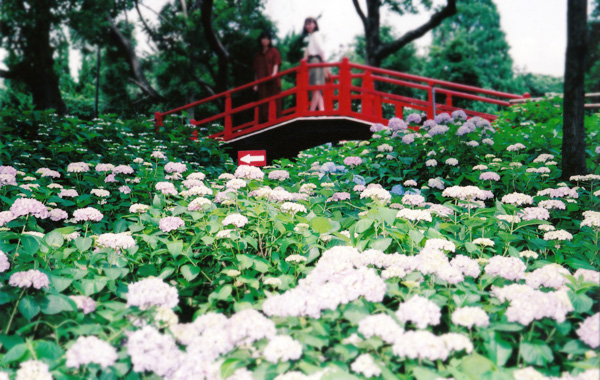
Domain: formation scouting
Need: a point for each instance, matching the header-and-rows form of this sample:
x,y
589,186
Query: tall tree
x,y
592,69
376,50
474,36
573,144
26,32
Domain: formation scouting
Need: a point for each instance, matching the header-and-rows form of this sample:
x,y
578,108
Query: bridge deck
x,y
287,139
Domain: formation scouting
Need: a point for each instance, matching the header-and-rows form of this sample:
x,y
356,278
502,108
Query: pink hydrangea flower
x,y
170,223
28,206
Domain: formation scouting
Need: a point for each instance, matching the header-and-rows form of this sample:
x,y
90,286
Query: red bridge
x,y
353,99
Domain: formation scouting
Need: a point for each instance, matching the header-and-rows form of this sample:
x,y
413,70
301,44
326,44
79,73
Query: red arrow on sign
x,y
252,157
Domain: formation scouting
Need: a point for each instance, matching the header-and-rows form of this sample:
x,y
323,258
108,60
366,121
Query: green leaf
x,y
470,247
28,307
475,365
421,373
190,272
83,244
89,287
321,224
30,244
499,351
54,304
15,353
355,312
245,260
175,247
363,225
381,244
222,294
54,239
416,236
581,302
59,283
260,264
47,350
536,353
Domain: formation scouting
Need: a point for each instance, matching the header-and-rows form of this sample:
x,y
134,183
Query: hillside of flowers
x,y
439,249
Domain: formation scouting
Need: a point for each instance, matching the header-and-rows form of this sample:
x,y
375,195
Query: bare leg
x,y
314,100
321,103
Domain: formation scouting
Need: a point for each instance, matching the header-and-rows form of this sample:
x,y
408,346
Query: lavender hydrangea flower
x,y
88,214
151,292
397,124
90,349
170,223
4,264
429,124
28,206
57,214
443,118
27,279
5,217
377,127
352,161
413,118
175,167
123,169
459,115
85,304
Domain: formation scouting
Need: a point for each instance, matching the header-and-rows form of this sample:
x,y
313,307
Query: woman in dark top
x,y
266,63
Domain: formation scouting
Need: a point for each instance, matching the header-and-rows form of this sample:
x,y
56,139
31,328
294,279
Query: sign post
x,y
252,157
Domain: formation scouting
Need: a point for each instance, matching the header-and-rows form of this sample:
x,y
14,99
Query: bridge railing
x,y
353,90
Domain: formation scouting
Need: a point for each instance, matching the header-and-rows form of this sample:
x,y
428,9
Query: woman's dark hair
x,y
264,34
312,19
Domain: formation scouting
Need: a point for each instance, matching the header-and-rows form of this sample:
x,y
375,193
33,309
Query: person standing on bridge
x,y
314,53
267,62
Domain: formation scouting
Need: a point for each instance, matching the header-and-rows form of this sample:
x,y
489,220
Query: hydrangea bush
x,y
446,248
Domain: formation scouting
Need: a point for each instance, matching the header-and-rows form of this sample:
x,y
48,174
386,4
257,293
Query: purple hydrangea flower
x,y
27,206
27,279
429,124
377,127
459,115
397,124
413,118
170,223
443,118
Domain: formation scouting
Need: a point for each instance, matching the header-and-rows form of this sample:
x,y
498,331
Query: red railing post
x,y
449,100
430,100
272,111
399,110
328,95
228,124
158,121
301,88
345,102
366,99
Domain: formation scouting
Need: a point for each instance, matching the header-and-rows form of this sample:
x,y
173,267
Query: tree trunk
x,y
376,52
36,69
573,144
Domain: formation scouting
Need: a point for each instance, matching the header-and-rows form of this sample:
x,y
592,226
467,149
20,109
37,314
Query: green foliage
x,y
217,267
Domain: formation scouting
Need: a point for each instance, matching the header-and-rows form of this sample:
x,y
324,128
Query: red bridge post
x,y
301,88
158,121
345,83
228,125
366,101
431,101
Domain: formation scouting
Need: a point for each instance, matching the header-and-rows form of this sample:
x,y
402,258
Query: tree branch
x,y
134,63
360,12
435,20
209,32
146,27
204,84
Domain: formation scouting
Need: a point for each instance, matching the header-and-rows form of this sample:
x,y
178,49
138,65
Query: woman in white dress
x,y
314,53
